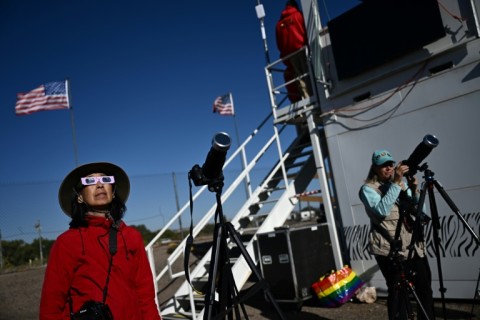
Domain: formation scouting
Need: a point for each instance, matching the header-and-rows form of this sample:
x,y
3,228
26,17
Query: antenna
x,y
38,226
261,15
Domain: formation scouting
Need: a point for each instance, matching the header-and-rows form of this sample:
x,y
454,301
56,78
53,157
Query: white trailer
x,y
385,81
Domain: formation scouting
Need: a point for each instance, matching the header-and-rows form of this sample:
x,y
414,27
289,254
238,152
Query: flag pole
x,y
75,151
248,188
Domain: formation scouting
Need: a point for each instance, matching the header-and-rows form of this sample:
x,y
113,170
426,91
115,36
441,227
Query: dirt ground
x,y
20,297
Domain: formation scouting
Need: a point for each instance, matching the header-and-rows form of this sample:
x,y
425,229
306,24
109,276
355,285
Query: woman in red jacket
x,y
99,259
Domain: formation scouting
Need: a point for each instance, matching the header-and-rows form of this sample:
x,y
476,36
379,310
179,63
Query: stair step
x,y
251,223
303,145
280,177
250,229
300,154
281,188
184,302
200,283
232,262
265,202
235,252
245,237
295,165
176,316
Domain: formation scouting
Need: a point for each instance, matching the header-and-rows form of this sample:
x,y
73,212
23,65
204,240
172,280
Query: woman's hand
x,y
412,183
400,170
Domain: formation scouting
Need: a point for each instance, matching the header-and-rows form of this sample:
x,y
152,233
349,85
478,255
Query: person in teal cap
x,y
389,199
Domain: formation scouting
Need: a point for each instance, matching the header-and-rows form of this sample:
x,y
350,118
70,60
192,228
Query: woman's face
x,y
97,196
385,171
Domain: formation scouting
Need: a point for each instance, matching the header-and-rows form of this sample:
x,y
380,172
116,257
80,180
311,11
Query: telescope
x,y
420,153
211,171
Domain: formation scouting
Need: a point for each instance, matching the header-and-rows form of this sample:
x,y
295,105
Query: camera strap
x,y
189,243
112,244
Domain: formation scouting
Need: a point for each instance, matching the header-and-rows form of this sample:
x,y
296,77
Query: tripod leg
x,y
419,303
397,304
406,300
454,208
221,280
401,306
436,240
477,293
210,294
415,263
235,301
252,266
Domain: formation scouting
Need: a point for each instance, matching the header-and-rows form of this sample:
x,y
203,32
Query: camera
x,y
211,171
93,310
420,153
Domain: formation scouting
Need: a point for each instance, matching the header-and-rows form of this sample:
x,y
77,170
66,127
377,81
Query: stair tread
x,y
174,316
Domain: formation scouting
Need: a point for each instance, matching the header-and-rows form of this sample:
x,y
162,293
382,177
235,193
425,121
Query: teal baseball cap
x,y
379,157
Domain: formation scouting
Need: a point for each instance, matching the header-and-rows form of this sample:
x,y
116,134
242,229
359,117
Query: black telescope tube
x,y
421,151
212,168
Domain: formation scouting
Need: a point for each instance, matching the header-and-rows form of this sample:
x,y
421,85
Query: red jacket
x,y
78,263
290,31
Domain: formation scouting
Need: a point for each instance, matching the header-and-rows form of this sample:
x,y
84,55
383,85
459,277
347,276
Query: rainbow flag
x,y
337,288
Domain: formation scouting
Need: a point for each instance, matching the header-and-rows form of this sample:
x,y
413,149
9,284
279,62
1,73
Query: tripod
x,y
220,279
401,307
403,286
429,185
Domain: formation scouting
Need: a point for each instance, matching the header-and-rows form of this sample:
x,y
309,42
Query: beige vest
x,y
379,245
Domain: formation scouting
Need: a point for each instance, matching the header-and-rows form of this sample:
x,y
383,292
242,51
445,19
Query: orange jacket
x,y
78,266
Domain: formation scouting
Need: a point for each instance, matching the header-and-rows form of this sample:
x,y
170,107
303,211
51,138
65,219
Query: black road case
x,y
292,259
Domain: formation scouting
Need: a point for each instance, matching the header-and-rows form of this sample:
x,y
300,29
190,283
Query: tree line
x,y
16,253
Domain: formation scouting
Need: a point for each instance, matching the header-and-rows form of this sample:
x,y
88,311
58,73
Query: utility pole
x,y
178,204
1,251
39,229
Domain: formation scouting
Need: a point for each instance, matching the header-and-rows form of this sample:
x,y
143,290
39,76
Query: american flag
x,y
224,105
49,96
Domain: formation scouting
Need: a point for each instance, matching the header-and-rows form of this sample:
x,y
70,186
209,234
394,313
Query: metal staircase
x,y
268,207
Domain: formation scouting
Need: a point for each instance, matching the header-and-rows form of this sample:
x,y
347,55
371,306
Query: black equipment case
x,y
292,259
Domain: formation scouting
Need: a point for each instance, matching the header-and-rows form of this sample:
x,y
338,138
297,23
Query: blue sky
x,y
143,78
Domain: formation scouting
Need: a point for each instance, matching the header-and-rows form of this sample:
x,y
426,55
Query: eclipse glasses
x,y
88,181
